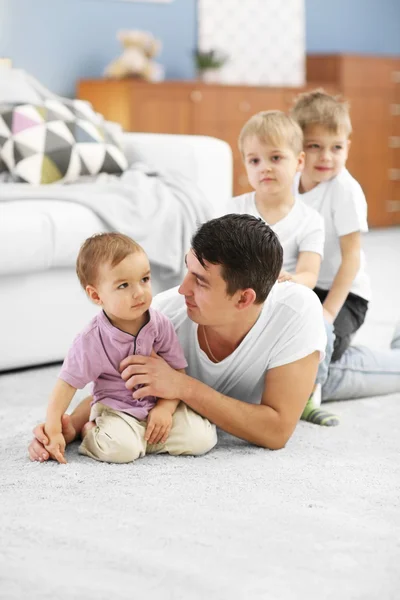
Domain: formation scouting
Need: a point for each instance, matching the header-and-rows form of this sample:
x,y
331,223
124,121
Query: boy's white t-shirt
x,y
301,230
341,202
289,328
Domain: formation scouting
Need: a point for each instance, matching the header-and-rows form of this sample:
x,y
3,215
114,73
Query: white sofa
x,y
42,310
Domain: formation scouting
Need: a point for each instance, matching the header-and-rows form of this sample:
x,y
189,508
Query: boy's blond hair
x,y
273,126
100,249
319,108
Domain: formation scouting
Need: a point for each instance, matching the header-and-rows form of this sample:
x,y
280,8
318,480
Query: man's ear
x,y
93,295
246,298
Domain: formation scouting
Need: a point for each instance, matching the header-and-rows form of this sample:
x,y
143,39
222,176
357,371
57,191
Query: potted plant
x,y
208,64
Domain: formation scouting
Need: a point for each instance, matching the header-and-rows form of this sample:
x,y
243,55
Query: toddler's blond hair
x,y
100,249
273,126
319,108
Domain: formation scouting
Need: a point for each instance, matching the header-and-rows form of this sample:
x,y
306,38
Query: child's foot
x,y
87,426
68,430
314,414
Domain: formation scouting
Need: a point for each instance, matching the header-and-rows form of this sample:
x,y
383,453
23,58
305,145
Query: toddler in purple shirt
x,y
115,273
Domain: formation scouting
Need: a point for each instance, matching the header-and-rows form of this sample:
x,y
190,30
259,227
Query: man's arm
x,y
269,424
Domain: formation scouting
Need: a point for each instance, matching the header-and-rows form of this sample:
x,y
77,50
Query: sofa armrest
x,y
205,160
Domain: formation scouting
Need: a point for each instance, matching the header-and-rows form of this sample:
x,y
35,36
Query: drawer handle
x,y
244,106
196,96
394,141
393,206
395,110
396,76
394,174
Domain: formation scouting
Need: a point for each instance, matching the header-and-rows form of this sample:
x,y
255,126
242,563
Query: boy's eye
x,y
122,286
338,147
146,279
313,146
276,158
254,161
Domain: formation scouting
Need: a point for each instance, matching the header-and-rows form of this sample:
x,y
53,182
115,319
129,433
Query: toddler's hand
x,y
159,423
56,447
284,276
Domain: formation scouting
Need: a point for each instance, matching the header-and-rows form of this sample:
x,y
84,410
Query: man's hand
x,y
284,276
159,423
37,450
56,446
155,376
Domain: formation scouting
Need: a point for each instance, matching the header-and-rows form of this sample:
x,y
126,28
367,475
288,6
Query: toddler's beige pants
x,y
119,437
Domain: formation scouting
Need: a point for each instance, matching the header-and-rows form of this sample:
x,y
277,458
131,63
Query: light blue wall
x,y
60,41
353,26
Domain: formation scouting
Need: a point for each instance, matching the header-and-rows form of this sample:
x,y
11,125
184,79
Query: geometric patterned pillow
x,y
55,143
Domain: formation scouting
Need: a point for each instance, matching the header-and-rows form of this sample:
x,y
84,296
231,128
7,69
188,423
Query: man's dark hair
x,y
248,251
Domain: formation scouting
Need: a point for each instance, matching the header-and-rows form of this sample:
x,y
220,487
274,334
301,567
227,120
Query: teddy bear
x,y
136,60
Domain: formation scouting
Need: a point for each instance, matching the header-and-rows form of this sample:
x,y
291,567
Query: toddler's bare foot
x,y
87,427
68,430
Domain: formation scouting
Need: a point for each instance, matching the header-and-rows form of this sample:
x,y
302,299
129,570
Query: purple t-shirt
x,y
97,351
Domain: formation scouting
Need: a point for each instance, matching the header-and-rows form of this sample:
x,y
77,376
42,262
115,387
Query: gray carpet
x,y
319,519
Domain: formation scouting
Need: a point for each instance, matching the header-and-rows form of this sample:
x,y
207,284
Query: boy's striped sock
x,y
314,414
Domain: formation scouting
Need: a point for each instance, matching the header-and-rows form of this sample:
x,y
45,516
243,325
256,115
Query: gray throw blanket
x,y
159,211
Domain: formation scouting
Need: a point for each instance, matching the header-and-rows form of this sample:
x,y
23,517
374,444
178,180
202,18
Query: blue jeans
x,y
361,371
323,368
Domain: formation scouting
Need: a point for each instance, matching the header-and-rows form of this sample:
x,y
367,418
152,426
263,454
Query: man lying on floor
x,y
252,346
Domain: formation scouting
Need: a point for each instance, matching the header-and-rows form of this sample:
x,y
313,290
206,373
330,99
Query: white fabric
x,y
36,235
301,230
45,308
140,203
342,204
289,328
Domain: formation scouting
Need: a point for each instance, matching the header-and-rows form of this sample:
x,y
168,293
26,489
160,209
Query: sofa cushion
x,y
52,142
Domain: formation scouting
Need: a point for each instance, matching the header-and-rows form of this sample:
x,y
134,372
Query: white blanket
x,y
160,211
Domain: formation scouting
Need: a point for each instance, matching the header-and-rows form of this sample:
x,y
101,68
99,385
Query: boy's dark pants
x,y
349,319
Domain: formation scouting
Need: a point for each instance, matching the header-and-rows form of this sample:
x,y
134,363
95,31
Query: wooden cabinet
x,y
372,85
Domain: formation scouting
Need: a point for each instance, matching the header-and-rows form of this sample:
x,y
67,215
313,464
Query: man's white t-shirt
x,y
301,230
289,328
341,202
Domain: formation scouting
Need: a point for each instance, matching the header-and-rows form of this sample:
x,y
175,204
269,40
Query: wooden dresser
x,y
191,107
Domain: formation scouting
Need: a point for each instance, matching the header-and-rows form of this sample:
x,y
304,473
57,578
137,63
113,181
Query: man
x,y
252,346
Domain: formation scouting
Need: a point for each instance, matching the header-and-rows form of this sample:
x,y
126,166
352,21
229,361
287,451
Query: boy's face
x,y
123,291
326,153
270,168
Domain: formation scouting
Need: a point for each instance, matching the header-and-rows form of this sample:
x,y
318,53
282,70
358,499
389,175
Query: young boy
x,y
115,273
271,144
325,185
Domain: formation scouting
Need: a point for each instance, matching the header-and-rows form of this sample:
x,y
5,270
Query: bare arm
x,y
350,247
269,424
307,269
60,399
170,405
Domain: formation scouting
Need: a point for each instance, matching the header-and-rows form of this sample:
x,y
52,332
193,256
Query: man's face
x,y
326,153
205,294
